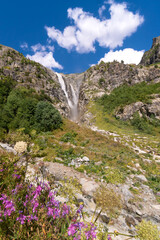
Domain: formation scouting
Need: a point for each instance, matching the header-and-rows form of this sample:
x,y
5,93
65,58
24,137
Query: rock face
x,y
103,78
150,109
96,81
153,55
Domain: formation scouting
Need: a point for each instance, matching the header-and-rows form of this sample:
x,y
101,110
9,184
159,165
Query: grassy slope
x,y
109,160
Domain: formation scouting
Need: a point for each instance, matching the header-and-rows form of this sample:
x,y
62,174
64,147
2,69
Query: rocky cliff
x,y
30,74
104,78
153,55
96,81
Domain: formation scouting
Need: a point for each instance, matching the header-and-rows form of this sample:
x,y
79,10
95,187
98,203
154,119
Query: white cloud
x,y
24,45
87,30
38,47
66,40
41,48
128,55
101,10
46,59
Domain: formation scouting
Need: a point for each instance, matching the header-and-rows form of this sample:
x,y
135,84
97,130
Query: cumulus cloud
x,y
87,29
128,55
24,46
45,58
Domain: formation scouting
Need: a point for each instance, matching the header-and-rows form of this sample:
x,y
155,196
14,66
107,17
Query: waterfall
x,y
72,96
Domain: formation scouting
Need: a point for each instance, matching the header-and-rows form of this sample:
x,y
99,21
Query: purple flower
x,y
50,211
35,205
16,176
66,210
1,170
80,209
31,217
21,218
8,205
109,237
71,230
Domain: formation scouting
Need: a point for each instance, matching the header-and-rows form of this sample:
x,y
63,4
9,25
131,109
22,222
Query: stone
x,y
157,207
125,192
85,159
105,219
8,148
130,221
141,178
88,186
139,212
128,111
58,159
137,165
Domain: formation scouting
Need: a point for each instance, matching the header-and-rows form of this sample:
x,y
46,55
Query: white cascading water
x,y
72,103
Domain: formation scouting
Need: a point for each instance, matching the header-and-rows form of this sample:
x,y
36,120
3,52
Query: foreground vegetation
x,y
31,210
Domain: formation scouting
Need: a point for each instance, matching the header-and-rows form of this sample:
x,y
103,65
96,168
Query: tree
x,y
47,118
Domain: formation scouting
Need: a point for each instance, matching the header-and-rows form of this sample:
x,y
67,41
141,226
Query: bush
x,y
147,230
47,118
141,123
22,110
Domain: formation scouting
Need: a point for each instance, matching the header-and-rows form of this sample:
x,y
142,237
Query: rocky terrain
x,y
153,55
110,150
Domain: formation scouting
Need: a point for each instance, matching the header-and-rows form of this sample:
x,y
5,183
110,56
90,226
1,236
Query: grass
x,y
125,95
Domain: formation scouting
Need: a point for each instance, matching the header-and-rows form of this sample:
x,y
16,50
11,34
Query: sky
x,y
69,36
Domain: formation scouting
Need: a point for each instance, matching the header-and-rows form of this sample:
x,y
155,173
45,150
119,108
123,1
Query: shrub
x,y
141,123
147,230
47,118
69,137
101,81
107,201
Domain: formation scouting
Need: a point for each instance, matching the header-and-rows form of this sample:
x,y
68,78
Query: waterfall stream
x,y
72,95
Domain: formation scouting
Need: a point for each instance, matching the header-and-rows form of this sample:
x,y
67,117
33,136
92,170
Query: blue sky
x,y
70,35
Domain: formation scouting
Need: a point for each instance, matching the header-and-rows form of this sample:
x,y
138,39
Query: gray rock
x,y
85,159
153,55
88,186
141,178
8,148
125,192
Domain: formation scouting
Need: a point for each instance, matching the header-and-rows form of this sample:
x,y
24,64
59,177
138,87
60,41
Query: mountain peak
x,y
153,55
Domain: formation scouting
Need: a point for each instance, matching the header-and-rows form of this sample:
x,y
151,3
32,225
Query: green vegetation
x,y
101,82
24,108
126,94
6,85
47,117
69,137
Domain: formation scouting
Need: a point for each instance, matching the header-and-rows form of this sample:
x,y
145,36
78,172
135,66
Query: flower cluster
x,y
29,204
79,229
20,147
8,207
